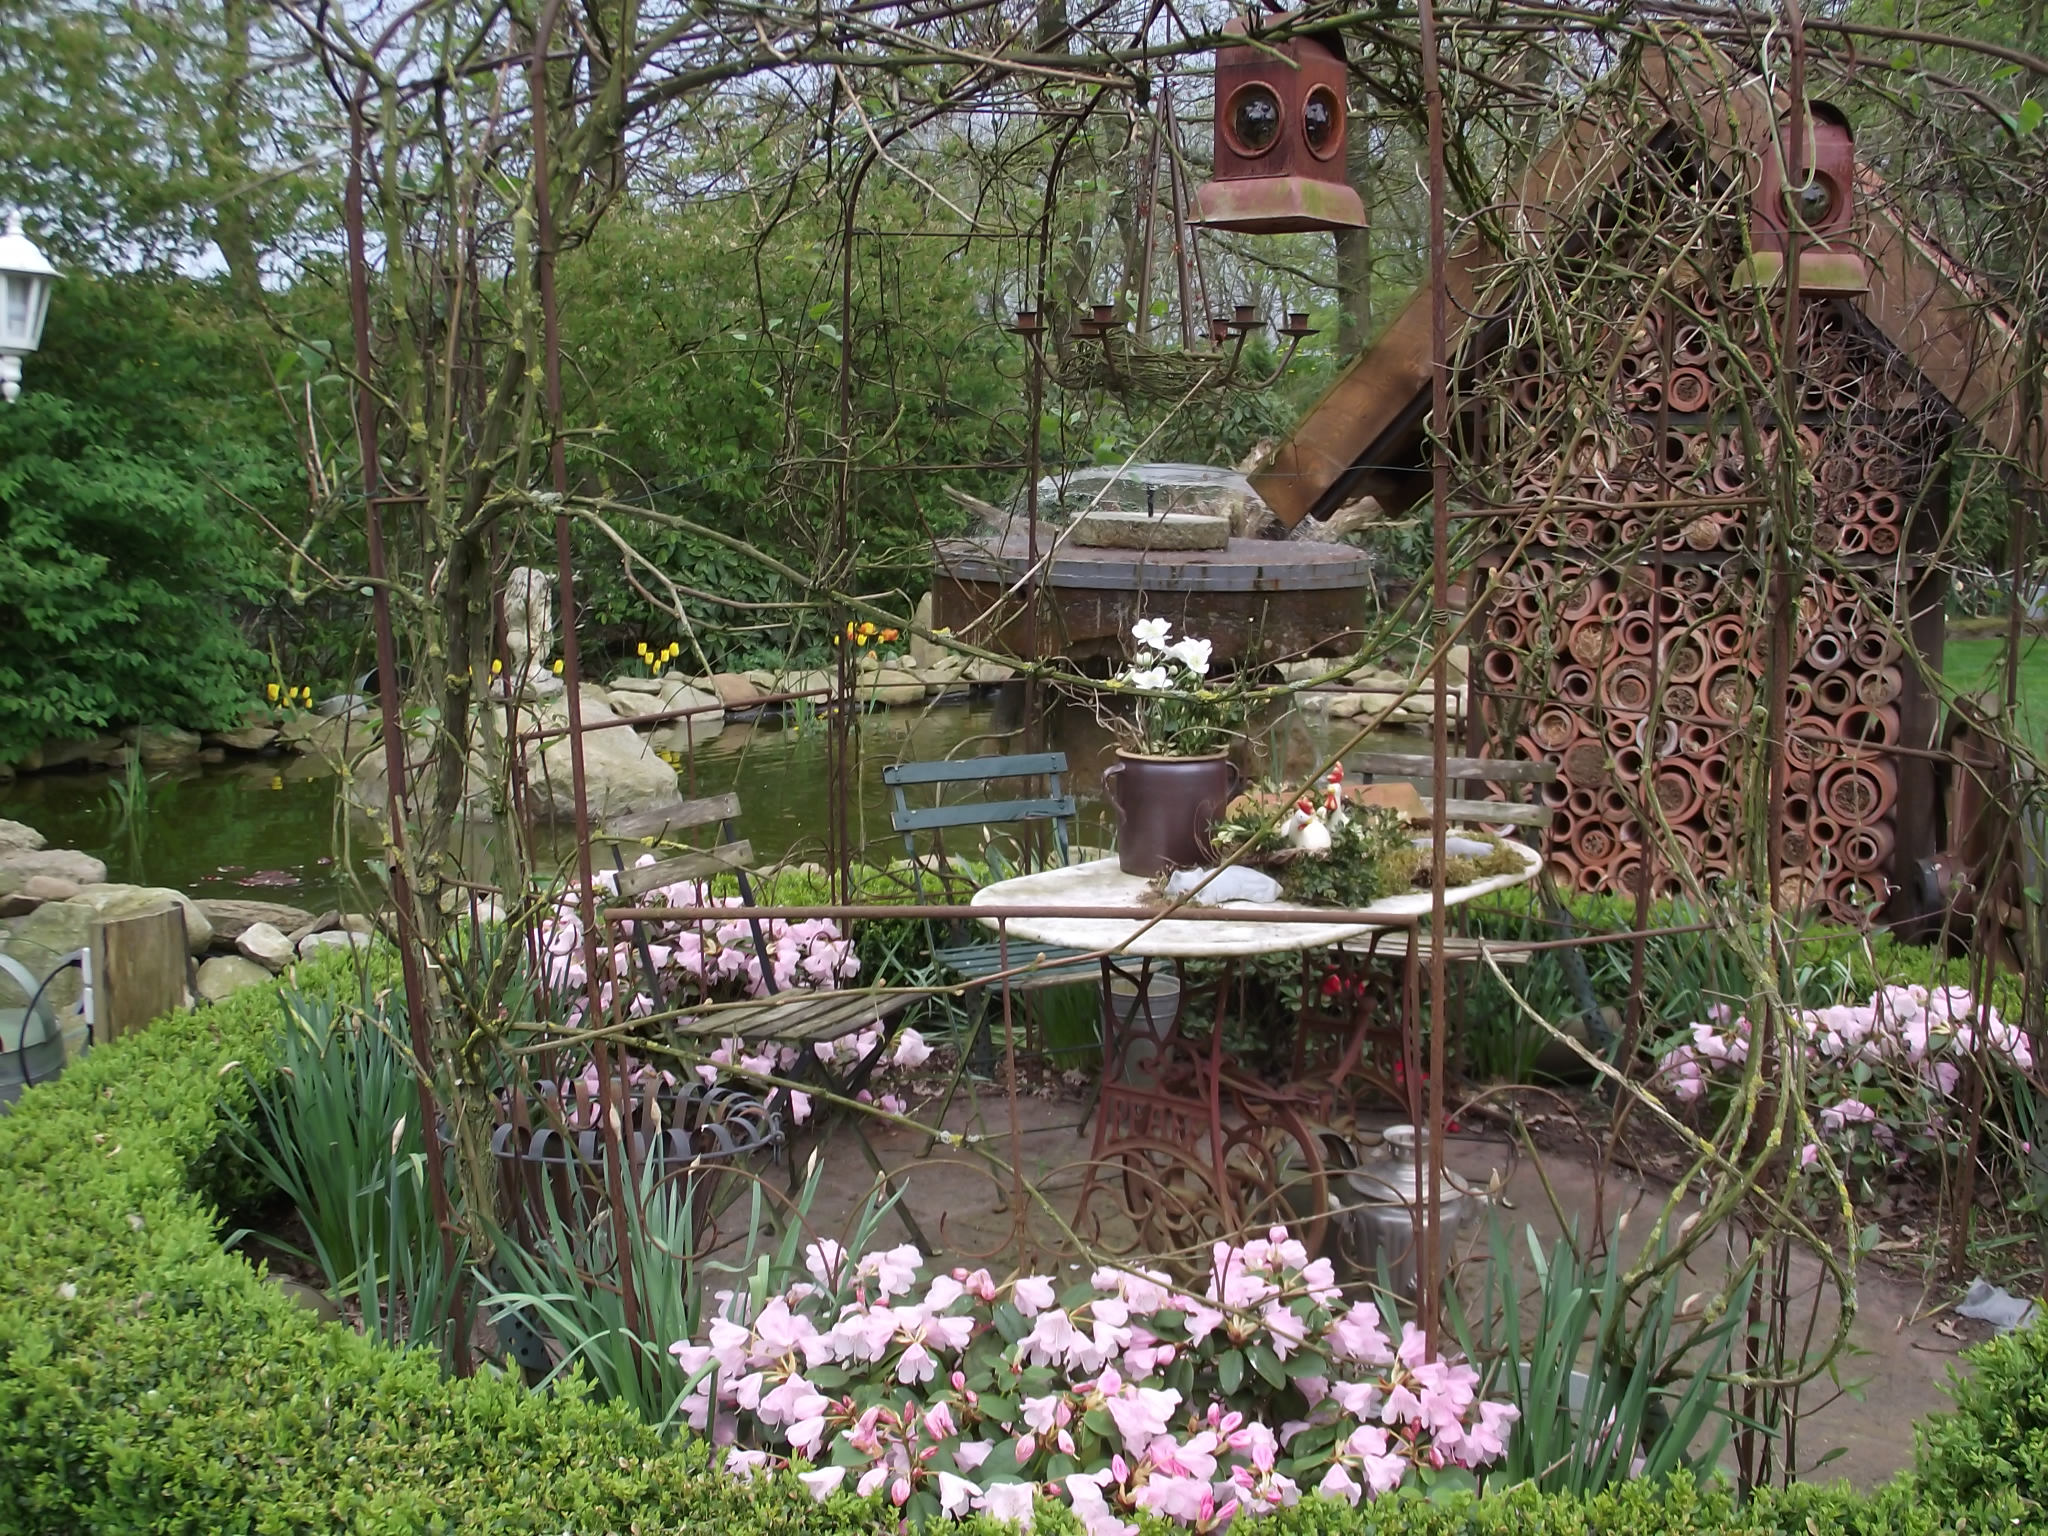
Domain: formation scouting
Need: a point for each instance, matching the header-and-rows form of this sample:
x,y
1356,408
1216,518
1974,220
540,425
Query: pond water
x,y
268,828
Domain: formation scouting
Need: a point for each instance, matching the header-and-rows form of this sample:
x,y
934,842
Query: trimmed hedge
x,y
151,1382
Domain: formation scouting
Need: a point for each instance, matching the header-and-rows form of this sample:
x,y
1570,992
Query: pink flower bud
x,y
1025,1447
899,1492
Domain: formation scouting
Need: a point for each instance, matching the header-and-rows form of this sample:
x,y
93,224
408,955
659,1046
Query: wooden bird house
x,y
1280,128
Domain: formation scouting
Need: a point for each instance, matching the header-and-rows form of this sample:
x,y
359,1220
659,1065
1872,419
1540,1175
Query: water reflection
x,y
270,828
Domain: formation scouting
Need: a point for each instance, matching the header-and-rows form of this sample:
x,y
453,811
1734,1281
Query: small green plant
x,y
1611,1386
336,1129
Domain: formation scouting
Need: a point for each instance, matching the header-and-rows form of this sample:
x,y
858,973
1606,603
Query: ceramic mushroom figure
x,y
530,632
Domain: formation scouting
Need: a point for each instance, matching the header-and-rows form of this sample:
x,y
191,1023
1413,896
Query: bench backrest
x,y
1055,806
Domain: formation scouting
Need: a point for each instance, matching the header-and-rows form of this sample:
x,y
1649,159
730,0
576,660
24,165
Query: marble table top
x,y
1100,883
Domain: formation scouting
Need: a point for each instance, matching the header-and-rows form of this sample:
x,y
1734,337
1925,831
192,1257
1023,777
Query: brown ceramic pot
x,y
1166,808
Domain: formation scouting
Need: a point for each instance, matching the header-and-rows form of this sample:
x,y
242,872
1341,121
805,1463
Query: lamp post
x,y
25,280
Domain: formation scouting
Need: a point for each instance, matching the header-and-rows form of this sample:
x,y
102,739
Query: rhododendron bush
x,y
947,1393
1882,1077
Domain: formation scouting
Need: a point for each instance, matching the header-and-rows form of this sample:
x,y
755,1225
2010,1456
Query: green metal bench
x,y
985,964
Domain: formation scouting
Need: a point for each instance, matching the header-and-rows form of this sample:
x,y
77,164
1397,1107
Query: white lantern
x,y
25,280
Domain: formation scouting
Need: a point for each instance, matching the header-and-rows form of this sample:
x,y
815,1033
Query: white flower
x,y
1152,632
911,1051
1151,679
1010,1502
824,1482
1192,654
957,1496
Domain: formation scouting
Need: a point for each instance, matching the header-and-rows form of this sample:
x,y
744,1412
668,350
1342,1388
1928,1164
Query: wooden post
x,y
140,969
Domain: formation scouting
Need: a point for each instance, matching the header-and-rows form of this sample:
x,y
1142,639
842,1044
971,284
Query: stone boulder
x,y
232,918
735,691
34,891
686,735
19,837
980,670
118,901
266,944
893,686
165,746
651,685
247,738
24,864
622,772
224,975
353,706
93,751
43,937
335,740
314,944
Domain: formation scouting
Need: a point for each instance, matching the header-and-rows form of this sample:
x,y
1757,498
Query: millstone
x,y
1168,530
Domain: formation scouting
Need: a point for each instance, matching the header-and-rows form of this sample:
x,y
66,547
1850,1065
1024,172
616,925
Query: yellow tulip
x,y
271,690
497,666
558,668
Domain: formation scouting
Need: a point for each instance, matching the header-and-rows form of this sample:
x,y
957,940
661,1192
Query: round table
x,y
1191,1144
1100,883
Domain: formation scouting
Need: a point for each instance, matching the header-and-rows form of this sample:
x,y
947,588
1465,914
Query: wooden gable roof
x,y
1365,435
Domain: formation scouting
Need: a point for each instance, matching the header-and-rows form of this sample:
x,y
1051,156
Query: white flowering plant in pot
x,y
1179,712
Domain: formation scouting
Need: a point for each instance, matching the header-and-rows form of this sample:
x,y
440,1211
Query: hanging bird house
x,y
1280,123
1819,214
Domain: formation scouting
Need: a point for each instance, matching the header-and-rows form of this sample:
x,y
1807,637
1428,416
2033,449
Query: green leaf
x,y
1268,1365
2030,114
1230,1371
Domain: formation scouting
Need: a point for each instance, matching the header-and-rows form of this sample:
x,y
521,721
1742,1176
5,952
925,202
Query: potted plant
x,y
1173,776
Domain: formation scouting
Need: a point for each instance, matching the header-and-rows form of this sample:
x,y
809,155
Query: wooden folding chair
x,y
810,1022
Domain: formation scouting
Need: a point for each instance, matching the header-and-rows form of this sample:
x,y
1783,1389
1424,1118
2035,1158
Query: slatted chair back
x,y
1055,806
1419,769
663,830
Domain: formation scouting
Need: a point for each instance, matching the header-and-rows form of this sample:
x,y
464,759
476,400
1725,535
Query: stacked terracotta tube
x,y
1644,697
1625,647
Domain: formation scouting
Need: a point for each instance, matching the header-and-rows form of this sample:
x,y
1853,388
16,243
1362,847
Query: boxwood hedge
x,y
150,1381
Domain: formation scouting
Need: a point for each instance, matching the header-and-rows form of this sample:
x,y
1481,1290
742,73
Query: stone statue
x,y
530,633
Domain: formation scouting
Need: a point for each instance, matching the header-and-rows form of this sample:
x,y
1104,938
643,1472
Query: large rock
x,y
334,938
892,685
651,685
93,751
687,734
166,746
23,864
118,901
734,691
232,918
981,670
44,937
266,944
224,975
335,740
247,738
19,837
34,891
622,774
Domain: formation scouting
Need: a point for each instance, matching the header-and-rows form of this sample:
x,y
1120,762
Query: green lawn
x,y
1979,663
